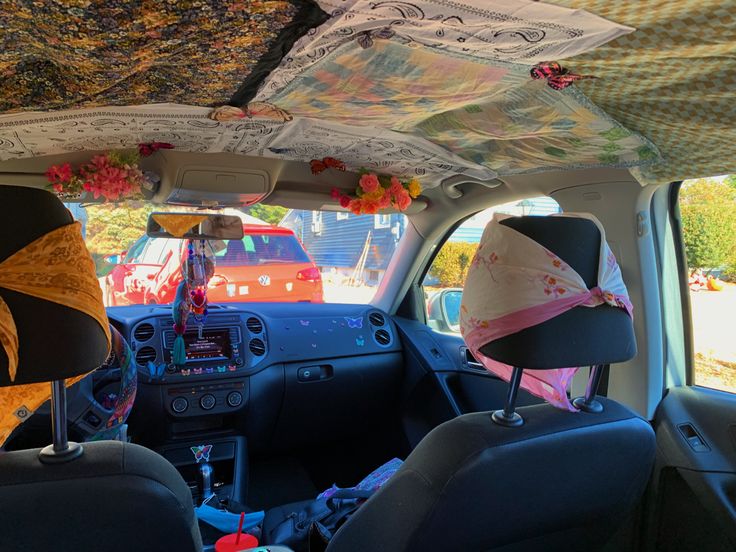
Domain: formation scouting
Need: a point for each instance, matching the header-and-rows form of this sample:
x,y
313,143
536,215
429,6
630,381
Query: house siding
x,y
340,242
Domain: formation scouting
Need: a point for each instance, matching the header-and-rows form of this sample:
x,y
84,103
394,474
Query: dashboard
x,y
258,353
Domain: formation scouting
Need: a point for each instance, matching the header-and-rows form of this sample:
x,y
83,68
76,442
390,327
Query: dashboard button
x,y
234,399
179,405
207,402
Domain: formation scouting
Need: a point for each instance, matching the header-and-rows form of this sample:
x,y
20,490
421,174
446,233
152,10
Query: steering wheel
x,y
89,418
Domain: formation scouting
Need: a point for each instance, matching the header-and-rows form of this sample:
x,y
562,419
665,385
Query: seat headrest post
x,y
507,417
62,450
588,402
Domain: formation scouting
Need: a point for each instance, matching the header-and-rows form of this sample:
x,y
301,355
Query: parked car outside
x,y
268,264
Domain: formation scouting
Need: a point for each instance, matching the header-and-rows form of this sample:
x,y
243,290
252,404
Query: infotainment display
x,y
213,345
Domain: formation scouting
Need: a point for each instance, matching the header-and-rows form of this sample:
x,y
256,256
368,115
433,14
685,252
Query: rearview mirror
x,y
194,226
443,309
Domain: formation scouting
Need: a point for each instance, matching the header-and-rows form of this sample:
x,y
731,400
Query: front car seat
x,y
561,481
114,496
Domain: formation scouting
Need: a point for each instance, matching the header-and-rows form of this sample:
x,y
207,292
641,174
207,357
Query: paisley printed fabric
x,y
489,113
56,267
515,283
504,30
57,55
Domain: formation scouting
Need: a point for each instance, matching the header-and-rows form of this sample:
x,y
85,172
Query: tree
x,y
272,214
451,264
708,212
112,228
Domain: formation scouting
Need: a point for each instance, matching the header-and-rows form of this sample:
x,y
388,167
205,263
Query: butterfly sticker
x,y
201,453
320,165
266,110
557,77
354,322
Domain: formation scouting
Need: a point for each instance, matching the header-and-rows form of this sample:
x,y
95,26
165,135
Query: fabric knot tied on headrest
x,y
55,267
515,283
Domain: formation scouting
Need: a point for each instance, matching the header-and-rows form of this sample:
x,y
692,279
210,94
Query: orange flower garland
x,y
377,192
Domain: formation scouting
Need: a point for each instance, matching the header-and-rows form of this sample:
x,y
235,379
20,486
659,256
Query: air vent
x,y
376,319
144,355
254,325
383,337
257,347
143,332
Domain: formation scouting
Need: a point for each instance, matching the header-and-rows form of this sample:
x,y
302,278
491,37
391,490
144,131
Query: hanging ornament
x,y
191,296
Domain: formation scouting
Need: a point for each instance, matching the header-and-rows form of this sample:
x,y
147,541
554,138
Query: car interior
x,y
215,426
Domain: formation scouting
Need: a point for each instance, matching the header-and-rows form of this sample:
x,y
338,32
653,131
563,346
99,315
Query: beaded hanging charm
x,y
191,295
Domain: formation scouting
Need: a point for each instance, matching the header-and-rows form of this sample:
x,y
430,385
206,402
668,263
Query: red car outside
x,y
268,264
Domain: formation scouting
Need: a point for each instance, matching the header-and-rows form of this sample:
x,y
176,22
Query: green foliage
x,y
708,211
112,229
272,214
451,264
731,181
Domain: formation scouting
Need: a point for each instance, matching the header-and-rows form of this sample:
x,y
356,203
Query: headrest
x,y
546,293
55,341
583,336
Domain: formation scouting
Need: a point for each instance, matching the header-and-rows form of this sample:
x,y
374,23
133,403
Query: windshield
x,y
284,256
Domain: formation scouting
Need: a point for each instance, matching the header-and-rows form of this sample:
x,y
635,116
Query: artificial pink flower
x,y
345,201
396,188
403,200
335,193
369,183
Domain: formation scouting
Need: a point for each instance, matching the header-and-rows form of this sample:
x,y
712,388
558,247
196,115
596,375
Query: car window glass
x,y
445,278
133,254
708,217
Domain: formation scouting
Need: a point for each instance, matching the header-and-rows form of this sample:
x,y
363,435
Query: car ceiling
x,y
657,97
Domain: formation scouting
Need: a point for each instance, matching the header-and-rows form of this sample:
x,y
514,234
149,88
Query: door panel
x,y
695,477
446,382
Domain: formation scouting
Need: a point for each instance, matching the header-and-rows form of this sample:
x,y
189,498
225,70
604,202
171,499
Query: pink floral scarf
x,y
514,283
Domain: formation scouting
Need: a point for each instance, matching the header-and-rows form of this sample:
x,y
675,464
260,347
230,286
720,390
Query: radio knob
x,y
179,405
207,402
235,399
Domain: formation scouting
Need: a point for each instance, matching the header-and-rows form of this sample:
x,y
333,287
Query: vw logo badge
x,y
264,280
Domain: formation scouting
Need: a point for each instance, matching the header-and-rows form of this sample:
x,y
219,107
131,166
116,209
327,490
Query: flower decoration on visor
x,y
557,77
375,193
114,176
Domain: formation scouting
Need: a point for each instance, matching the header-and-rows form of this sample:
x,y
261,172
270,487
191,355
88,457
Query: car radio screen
x,y
212,345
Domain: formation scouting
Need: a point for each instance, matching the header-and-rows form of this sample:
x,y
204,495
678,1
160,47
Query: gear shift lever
x,y
206,474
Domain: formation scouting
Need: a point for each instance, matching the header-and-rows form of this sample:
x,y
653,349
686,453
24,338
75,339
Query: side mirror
x,y
443,310
113,259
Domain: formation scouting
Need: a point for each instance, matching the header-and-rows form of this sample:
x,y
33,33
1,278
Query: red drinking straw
x,y
240,527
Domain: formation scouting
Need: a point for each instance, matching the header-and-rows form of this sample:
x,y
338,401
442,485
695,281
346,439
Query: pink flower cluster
x,y
374,195
111,176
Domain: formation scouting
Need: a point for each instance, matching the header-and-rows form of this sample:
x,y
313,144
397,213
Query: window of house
x,y
443,283
342,216
317,222
708,218
381,221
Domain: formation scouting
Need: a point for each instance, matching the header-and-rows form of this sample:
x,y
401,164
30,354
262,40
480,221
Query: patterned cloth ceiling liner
x,y
62,55
488,112
673,81
189,128
509,30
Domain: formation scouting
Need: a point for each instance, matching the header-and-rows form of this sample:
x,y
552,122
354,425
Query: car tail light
x,y
311,274
217,280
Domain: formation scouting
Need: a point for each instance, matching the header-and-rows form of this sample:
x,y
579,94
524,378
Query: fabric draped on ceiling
x,y
61,55
673,80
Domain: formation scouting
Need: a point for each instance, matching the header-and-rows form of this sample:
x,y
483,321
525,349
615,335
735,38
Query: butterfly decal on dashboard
x,y
201,453
320,165
557,77
356,323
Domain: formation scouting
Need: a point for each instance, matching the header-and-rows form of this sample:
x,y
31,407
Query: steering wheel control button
x,y
234,399
179,405
207,402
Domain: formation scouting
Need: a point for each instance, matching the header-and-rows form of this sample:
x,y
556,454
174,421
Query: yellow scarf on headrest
x,y
58,268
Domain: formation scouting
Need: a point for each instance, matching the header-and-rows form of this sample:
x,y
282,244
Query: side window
x,y
134,253
443,283
708,215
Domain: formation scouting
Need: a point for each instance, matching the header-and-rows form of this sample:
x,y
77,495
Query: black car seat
x,y
114,496
561,481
